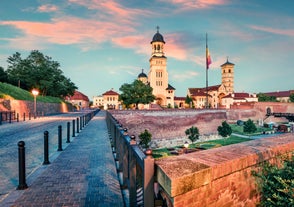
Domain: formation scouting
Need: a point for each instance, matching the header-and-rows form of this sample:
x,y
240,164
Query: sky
x,y
102,44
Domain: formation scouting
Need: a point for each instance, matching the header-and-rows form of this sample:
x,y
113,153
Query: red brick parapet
x,y
219,176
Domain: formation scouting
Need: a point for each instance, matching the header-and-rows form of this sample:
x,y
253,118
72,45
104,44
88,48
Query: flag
x,y
208,58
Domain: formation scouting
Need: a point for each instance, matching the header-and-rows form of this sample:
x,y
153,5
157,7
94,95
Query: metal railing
x,y
135,167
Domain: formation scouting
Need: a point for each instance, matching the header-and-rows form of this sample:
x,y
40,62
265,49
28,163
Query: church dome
x,y
142,75
157,37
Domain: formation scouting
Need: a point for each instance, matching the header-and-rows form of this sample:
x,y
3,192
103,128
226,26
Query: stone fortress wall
x,y
168,126
21,107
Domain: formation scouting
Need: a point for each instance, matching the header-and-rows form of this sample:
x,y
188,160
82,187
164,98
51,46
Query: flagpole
x,y
206,74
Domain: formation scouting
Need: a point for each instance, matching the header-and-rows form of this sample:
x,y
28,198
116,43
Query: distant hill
x,y
8,91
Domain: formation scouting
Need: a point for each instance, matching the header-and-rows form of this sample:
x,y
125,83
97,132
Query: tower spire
x,y
157,28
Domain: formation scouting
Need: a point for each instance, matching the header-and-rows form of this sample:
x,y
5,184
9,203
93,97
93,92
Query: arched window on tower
x,y
229,70
158,47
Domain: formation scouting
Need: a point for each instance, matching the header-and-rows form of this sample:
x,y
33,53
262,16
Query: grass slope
x,y
8,91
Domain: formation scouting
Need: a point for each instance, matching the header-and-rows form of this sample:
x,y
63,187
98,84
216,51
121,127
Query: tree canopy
x,y
41,72
192,133
292,98
3,75
249,127
136,93
225,129
265,98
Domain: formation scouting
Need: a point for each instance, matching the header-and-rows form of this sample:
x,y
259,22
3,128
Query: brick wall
x,y
221,176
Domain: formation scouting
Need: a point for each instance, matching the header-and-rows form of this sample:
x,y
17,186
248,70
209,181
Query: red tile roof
x,y
110,93
79,96
279,94
179,98
202,91
238,95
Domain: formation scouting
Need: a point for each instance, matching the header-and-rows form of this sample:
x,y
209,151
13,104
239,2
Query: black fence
x,y
135,167
12,116
7,116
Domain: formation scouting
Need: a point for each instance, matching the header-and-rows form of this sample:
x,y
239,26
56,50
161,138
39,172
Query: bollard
x,y
17,117
21,166
0,118
59,138
46,148
68,133
81,123
78,125
73,128
24,116
10,116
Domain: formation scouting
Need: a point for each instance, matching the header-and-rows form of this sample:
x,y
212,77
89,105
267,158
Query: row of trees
x,y
265,98
37,71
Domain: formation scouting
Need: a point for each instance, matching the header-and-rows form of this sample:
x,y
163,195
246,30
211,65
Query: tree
x,y
192,133
3,75
189,101
136,93
39,71
265,98
249,127
225,129
291,98
145,138
276,184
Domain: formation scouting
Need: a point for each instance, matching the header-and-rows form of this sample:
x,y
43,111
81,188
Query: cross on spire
x,y
157,29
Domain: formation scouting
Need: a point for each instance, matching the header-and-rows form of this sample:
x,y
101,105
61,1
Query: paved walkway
x,y
84,174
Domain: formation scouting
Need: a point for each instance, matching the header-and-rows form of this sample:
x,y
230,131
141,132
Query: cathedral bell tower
x,y
228,76
158,76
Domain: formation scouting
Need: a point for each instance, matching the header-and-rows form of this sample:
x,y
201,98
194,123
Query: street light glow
x,y
35,92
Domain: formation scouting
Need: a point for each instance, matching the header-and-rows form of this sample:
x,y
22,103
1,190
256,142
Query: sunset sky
x,y
102,44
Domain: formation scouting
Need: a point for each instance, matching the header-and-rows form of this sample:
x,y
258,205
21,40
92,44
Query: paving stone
x,y
84,174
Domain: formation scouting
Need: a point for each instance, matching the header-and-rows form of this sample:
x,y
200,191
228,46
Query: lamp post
x,y
35,92
186,145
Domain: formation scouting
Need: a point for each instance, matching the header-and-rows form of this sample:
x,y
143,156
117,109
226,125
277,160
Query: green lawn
x,y
239,130
164,152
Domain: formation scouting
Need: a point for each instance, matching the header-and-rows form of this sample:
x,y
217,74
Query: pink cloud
x,y
114,9
287,32
47,8
195,4
173,47
69,30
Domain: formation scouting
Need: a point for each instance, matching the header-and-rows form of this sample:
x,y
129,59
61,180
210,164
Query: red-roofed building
x,y
236,98
80,100
179,102
110,99
215,94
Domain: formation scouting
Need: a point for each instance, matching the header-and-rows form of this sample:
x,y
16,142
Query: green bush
x,y
276,185
145,138
225,129
249,127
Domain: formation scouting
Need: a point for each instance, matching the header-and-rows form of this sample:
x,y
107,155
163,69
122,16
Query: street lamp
x,y
35,92
186,145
